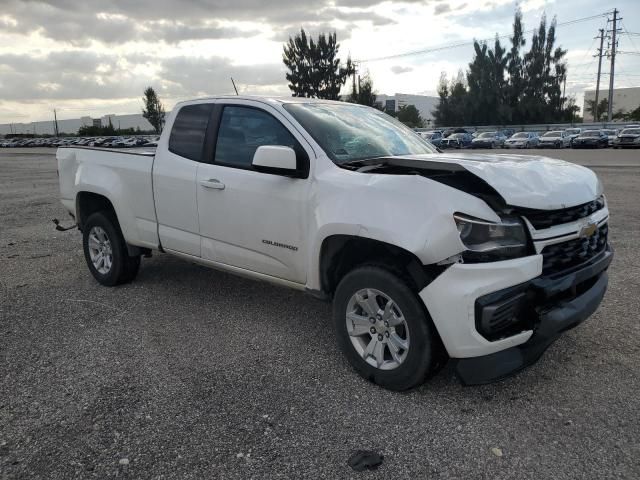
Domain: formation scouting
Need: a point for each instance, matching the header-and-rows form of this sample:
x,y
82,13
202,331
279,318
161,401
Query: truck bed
x,y
123,177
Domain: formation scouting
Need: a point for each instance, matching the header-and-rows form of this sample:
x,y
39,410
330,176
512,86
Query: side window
x,y
189,131
244,129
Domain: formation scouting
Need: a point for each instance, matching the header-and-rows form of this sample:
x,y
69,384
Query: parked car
x,y
611,135
457,140
522,140
288,191
628,138
450,131
508,132
130,142
591,139
435,138
555,139
572,133
488,140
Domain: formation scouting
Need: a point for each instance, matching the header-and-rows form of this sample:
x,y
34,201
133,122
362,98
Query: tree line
x,y
504,84
507,85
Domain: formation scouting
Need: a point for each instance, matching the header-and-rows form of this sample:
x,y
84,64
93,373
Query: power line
x,y
624,27
470,42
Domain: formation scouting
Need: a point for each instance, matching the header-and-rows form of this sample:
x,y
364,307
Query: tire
x,y
424,354
104,227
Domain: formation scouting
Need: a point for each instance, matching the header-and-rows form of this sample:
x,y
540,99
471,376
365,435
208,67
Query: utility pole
x,y
55,122
355,71
613,61
596,117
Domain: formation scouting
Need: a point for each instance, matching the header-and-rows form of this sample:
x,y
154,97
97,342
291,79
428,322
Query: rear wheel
x,y
105,250
384,330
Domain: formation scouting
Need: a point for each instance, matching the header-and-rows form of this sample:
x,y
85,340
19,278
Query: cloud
x,y
189,76
175,32
398,69
442,8
86,75
67,75
121,21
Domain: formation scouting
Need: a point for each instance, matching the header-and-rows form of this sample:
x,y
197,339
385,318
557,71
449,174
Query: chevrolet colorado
x,y
482,259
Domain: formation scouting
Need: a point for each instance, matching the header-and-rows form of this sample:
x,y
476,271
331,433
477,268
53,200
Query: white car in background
x,y
555,139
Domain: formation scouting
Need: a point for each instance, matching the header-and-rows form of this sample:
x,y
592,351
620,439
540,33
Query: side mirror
x,y
276,159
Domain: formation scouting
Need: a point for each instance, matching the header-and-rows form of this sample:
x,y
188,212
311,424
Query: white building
x,y
625,99
71,126
425,105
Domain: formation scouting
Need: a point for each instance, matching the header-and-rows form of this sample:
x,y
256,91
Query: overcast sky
x,y
94,57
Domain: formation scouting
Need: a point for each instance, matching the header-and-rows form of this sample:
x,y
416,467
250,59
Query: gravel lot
x,y
193,373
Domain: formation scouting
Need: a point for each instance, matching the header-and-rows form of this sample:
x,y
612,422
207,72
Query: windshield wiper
x,y
365,162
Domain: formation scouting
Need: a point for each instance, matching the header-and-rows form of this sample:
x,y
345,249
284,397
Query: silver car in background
x,y
522,140
611,135
488,140
555,139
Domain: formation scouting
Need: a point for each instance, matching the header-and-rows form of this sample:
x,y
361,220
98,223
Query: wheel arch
x,y
341,253
88,203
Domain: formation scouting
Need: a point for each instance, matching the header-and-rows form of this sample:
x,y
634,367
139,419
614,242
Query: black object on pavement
x,y
365,460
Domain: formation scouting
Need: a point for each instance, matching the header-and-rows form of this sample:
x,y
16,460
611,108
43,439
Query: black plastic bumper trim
x,y
552,322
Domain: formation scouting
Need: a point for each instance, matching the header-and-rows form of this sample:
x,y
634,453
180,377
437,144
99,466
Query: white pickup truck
x,y
483,259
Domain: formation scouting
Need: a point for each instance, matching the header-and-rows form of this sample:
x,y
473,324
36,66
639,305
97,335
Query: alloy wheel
x,y
377,329
100,250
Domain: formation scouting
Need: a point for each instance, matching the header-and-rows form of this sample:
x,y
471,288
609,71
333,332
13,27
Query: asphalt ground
x,y
193,373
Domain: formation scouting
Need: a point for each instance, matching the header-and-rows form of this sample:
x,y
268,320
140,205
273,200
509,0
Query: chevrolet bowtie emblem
x,y
588,230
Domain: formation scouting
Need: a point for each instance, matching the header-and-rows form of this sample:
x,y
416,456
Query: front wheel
x,y
105,250
384,330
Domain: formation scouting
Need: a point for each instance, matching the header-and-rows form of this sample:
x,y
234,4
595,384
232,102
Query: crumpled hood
x,y
526,180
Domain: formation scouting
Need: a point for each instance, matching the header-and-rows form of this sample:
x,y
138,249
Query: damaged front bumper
x,y
492,333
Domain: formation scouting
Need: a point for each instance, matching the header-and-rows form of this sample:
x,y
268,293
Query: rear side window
x,y
190,130
243,130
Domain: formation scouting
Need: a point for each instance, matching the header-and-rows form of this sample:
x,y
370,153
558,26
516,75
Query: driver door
x,y
248,219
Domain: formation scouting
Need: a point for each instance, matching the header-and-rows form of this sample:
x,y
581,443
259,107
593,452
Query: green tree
x,y
505,86
545,71
487,85
515,69
410,116
633,115
153,109
596,113
363,92
314,67
452,110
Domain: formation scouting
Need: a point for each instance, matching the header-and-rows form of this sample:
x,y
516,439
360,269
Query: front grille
x,y
541,219
627,139
563,256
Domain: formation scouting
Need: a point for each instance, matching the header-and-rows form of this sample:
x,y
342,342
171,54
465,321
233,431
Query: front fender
x,y
409,211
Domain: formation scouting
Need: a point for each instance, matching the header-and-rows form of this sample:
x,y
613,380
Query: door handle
x,y
212,183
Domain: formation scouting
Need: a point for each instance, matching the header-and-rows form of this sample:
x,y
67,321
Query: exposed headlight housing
x,y
488,241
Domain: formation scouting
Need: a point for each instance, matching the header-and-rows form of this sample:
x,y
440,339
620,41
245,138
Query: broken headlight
x,y
489,241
